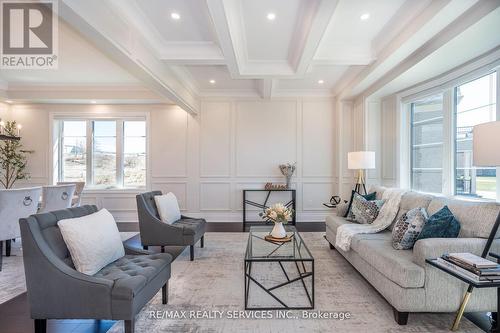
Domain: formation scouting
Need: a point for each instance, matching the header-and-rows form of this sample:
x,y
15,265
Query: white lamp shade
x,y
486,149
361,160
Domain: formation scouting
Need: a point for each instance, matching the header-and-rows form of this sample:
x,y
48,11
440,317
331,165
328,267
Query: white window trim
x,y
91,115
447,89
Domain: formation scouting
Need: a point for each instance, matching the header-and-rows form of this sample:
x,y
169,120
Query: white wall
x,y
207,160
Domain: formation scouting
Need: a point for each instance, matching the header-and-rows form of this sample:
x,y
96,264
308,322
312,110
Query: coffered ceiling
x,y
186,49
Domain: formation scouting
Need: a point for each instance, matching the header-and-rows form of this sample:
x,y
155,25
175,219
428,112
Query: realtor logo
x,y
29,34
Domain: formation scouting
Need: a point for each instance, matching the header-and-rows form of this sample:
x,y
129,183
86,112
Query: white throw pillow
x,y
168,207
93,241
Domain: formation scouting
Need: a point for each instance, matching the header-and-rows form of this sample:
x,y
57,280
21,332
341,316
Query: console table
x,y
264,205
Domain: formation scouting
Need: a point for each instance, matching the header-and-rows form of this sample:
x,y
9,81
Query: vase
x,y
288,181
278,230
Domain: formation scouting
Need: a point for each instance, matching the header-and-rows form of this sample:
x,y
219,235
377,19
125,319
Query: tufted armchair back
x,y
49,236
16,204
146,204
57,197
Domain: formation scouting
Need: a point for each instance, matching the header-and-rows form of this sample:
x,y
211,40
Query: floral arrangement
x,y
277,213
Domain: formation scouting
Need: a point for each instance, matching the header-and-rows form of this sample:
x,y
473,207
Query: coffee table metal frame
x,y
300,265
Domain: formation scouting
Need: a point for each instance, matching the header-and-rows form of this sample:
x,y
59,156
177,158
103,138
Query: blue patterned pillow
x,y
369,197
441,225
408,227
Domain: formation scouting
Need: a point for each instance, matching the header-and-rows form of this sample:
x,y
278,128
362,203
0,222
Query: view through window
x,y
117,157
427,144
475,104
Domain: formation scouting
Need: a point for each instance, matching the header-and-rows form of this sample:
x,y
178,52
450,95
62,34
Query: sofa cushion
x,y
411,200
396,265
476,218
408,227
168,207
441,225
191,226
132,272
364,211
334,221
93,240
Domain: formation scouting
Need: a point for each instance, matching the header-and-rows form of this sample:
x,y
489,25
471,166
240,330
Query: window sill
x,y
135,190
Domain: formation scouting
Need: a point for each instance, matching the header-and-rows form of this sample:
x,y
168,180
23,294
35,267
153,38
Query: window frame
x,y
449,130
56,134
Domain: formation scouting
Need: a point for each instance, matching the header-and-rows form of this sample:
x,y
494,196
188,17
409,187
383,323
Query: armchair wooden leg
x,y
40,325
145,247
164,293
7,247
1,254
400,317
202,241
130,326
191,252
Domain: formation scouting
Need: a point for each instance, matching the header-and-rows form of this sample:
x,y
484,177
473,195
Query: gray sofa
x,y
57,291
402,277
154,232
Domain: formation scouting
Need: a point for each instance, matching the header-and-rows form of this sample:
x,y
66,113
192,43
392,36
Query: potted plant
x,y
280,215
13,158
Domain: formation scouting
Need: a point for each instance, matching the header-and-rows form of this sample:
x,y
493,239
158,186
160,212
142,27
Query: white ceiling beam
x,y
308,35
432,18
459,25
117,39
266,88
191,53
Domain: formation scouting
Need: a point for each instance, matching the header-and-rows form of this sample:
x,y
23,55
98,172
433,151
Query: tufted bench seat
x,y
131,273
57,291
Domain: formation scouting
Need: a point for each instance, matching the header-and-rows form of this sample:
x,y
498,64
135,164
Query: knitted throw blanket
x,y
386,216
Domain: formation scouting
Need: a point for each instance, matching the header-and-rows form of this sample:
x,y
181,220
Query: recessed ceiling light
x,y
321,81
175,16
212,81
365,16
8,101
271,16
93,102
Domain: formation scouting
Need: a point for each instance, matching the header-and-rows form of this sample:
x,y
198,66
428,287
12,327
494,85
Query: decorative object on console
x,y
287,170
485,154
13,158
364,211
279,214
408,227
360,160
271,186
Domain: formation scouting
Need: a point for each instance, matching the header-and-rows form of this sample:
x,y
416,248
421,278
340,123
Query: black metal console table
x,y
263,206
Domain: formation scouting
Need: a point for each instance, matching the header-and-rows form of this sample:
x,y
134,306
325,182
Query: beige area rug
x,y
12,280
214,282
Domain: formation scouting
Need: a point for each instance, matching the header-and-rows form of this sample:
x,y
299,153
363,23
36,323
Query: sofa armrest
x,y
436,247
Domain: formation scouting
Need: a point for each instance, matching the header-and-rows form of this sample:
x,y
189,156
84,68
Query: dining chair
x,y
15,204
56,197
77,197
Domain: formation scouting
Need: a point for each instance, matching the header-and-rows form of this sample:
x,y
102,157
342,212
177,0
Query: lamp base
x,y
360,183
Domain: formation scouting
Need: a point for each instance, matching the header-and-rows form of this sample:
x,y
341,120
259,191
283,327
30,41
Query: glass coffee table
x,y
281,272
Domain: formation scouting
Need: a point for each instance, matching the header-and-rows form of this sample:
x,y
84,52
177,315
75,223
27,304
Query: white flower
x,y
273,215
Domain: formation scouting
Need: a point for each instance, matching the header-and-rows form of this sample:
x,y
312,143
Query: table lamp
x,y
360,160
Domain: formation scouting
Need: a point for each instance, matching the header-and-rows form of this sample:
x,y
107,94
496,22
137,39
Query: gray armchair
x,y
57,291
154,232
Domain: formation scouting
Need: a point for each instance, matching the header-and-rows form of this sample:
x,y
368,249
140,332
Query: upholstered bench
x,y
57,291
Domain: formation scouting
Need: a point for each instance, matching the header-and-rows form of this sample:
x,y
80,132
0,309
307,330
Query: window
x,y
427,144
475,103
105,153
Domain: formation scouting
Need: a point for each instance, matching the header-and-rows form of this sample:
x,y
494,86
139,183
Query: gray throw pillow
x,y
408,227
364,211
